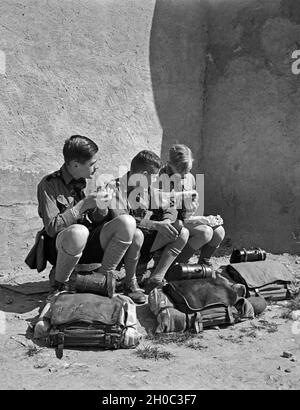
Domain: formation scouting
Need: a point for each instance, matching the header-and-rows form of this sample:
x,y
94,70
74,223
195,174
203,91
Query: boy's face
x,y
151,177
181,172
147,178
84,170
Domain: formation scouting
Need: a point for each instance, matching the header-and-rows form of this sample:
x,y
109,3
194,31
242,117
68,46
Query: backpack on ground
x,y
207,302
89,320
270,279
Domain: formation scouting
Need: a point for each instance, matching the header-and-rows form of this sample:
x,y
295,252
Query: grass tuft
x,y
286,314
294,304
177,338
270,327
232,338
249,332
153,352
32,350
195,344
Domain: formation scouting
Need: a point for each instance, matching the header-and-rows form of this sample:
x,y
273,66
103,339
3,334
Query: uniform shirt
x,y
187,183
57,194
122,204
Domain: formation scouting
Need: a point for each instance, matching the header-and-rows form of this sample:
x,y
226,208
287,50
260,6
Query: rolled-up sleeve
x,y
161,213
118,205
53,220
170,213
98,216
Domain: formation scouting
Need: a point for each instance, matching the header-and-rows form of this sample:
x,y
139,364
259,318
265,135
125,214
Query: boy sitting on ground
x,y
203,239
134,196
77,227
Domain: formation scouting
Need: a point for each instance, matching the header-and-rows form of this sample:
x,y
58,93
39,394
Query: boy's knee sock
x,y
206,252
168,256
52,276
113,255
65,264
186,253
130,264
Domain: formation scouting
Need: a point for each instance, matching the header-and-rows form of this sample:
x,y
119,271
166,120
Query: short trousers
x,y
92,253
149,238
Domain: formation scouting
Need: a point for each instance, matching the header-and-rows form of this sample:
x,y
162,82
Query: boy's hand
x,y
104,197
191,203
90,201
166,229
100,199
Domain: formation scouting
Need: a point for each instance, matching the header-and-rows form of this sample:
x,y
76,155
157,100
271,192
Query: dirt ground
x,y
247,355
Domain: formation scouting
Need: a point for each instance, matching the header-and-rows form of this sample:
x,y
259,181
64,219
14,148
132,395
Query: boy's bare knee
x,y
218,234
127,225
207,232
184,234
138,238
75,239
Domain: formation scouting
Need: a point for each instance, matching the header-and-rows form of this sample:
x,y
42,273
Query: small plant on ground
x,y
286,314
32,350
270,327
177,338
232,338
153,352
294,304
248,332
195,344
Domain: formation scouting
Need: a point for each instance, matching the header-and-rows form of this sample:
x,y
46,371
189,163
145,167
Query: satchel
x,y
210,300
192,295
270,279
171,319
36,258
88,320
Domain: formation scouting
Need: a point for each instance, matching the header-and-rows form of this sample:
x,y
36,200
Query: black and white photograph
x,y
149,198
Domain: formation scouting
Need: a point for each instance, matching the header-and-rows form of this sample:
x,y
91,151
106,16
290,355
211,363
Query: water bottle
x,y
181,271
247,255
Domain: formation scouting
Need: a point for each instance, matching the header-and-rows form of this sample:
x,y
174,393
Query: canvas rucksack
x,y
270,279
89,320
171,319
211,301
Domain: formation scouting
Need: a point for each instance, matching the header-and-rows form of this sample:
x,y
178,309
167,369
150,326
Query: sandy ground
x,y
247,355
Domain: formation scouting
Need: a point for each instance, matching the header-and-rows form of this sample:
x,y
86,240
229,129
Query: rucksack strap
x,y
196,323
60,345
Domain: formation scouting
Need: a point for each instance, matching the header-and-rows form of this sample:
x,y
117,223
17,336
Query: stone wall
x,y
94,67
251,130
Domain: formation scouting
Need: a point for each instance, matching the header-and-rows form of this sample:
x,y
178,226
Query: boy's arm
x,y
98,216
118,205
53,220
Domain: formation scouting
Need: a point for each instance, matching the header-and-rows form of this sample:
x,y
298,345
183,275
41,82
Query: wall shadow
x,y
223,85
178,42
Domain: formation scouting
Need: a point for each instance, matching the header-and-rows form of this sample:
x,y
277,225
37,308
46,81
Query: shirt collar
x,y
67,177
168,170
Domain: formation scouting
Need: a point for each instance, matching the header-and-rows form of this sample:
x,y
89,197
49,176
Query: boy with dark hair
x,y
77,227
145,161
134,196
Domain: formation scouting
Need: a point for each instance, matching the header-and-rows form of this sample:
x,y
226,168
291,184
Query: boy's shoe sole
x,y
137,297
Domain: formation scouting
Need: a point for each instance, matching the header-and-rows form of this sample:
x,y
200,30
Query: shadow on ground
x,y
15,302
